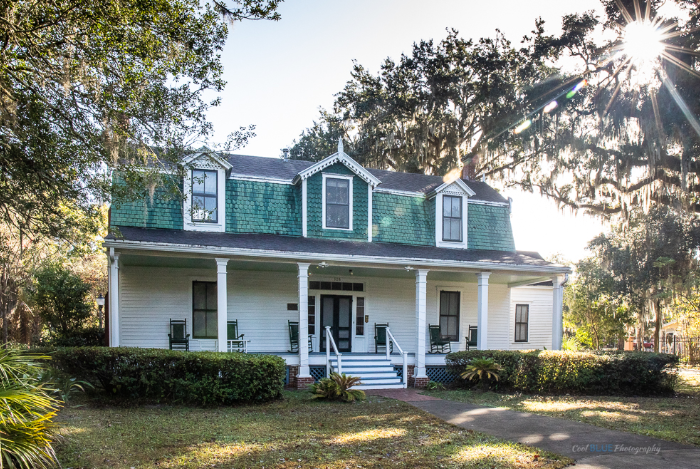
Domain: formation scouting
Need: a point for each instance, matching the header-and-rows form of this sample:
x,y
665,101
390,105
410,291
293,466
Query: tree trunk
x,y
657,330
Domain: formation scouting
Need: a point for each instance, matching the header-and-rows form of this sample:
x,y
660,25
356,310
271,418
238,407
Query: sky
x,y
280,73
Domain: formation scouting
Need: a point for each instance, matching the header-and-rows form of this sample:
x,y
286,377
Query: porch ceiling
x,y
344,271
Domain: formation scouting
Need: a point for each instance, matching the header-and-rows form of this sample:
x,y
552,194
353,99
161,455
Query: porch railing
x,y
390,337
329,367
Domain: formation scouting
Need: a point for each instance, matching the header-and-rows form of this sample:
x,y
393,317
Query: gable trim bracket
x,y
459,182
342,158
205,152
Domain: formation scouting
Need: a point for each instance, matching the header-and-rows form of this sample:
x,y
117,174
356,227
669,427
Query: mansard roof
x,y
287,170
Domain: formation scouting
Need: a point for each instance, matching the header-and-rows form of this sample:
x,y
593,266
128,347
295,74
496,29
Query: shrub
x,y
556,372
61,299
86,337
483,370
200,378
26,412
434,386
337,388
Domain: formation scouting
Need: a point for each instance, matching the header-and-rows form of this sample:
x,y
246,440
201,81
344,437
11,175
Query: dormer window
x,y
204,196
452,218
337,202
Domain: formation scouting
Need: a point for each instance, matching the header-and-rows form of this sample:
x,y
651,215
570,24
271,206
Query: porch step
x,y
375,371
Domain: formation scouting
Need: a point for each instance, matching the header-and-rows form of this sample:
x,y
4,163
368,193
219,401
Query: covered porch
x,y
328,297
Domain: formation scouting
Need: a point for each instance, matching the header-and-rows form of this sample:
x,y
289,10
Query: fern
x,y
338,388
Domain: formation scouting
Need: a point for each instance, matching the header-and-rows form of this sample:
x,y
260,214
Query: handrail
x,y
329,338
390,338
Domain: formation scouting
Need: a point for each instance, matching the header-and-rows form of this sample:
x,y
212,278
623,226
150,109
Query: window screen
x,y
204,310
451,218
204,197
449,315
337,203
360,317
312,315
522,316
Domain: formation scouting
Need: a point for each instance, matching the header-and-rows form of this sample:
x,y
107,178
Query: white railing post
x,y
405,369
388,343
340,365
328,353
390,338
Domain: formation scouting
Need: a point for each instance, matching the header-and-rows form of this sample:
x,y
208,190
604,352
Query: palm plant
x,y
337,387
26,412
482,370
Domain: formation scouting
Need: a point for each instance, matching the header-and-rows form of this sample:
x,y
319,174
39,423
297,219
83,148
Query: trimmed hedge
x,y
200,378
556,372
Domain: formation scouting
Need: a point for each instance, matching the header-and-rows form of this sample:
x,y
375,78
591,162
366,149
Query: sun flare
x,y
643,42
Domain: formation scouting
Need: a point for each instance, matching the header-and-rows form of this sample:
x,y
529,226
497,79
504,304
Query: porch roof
x,y
268,245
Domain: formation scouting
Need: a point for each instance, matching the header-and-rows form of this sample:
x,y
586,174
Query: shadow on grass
x,y
296,432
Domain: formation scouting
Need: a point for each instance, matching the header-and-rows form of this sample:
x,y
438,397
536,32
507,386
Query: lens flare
x,y
550,107
643,42
523,126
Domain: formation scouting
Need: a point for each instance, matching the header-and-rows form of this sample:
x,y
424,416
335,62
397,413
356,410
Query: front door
x,y
336,312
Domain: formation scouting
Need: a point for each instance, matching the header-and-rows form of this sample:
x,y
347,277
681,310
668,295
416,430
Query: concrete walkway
x,y
591,447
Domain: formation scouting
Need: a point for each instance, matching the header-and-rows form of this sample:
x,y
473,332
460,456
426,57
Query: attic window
x,y
451,218
204,196
338,197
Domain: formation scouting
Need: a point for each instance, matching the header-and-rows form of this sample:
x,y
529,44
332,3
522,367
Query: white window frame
x,y
327,176
220,225
529,315
439,242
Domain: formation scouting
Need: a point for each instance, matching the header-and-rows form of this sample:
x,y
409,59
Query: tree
x,y
61,299
649,259
629,138
593,307
88,87
427,111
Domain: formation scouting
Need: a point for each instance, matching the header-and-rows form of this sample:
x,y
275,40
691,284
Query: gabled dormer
x,y
451,224
336,196
204,206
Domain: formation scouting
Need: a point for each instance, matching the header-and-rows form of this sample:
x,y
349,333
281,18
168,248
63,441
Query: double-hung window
x,y
451,218
204,196
204,325
337,203
449,315
522,316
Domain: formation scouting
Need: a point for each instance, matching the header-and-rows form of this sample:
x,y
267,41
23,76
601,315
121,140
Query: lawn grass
x,y
295,432
674,418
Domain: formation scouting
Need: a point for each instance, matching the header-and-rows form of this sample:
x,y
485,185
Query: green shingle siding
x,y
314,192
161,212
263,207
489,228
404,220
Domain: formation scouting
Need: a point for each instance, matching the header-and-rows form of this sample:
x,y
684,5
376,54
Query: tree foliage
x,y
61,299
90,87
431,108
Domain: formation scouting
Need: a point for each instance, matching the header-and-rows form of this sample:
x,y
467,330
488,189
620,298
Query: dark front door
x,y
336,312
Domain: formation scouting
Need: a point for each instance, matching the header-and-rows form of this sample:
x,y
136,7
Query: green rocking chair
x,y
294,337
178,337
471,338
438,344
380,337
235,342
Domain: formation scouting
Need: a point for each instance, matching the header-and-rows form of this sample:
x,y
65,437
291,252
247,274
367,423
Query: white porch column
x,y
482,310
303,320
221,304
421,282
557,311
113,298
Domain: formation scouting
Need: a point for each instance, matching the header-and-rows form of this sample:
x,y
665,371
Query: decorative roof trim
x,y
342,158
459,182
246,177
486,202
209,154
397,192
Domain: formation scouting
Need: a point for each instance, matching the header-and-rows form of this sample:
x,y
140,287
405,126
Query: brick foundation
x,y
420,382
293,372
409,372
415,382
303,383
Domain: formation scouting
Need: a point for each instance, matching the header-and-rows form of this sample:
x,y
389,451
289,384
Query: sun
x,y
643,42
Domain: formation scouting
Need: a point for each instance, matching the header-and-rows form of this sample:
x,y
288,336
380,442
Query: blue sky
x,y
280,73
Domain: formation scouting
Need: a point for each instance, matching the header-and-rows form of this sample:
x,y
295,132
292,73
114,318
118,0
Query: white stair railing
x,y
390,338
329,367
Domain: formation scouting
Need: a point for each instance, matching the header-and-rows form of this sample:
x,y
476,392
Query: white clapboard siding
x,y
151,296
540,320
